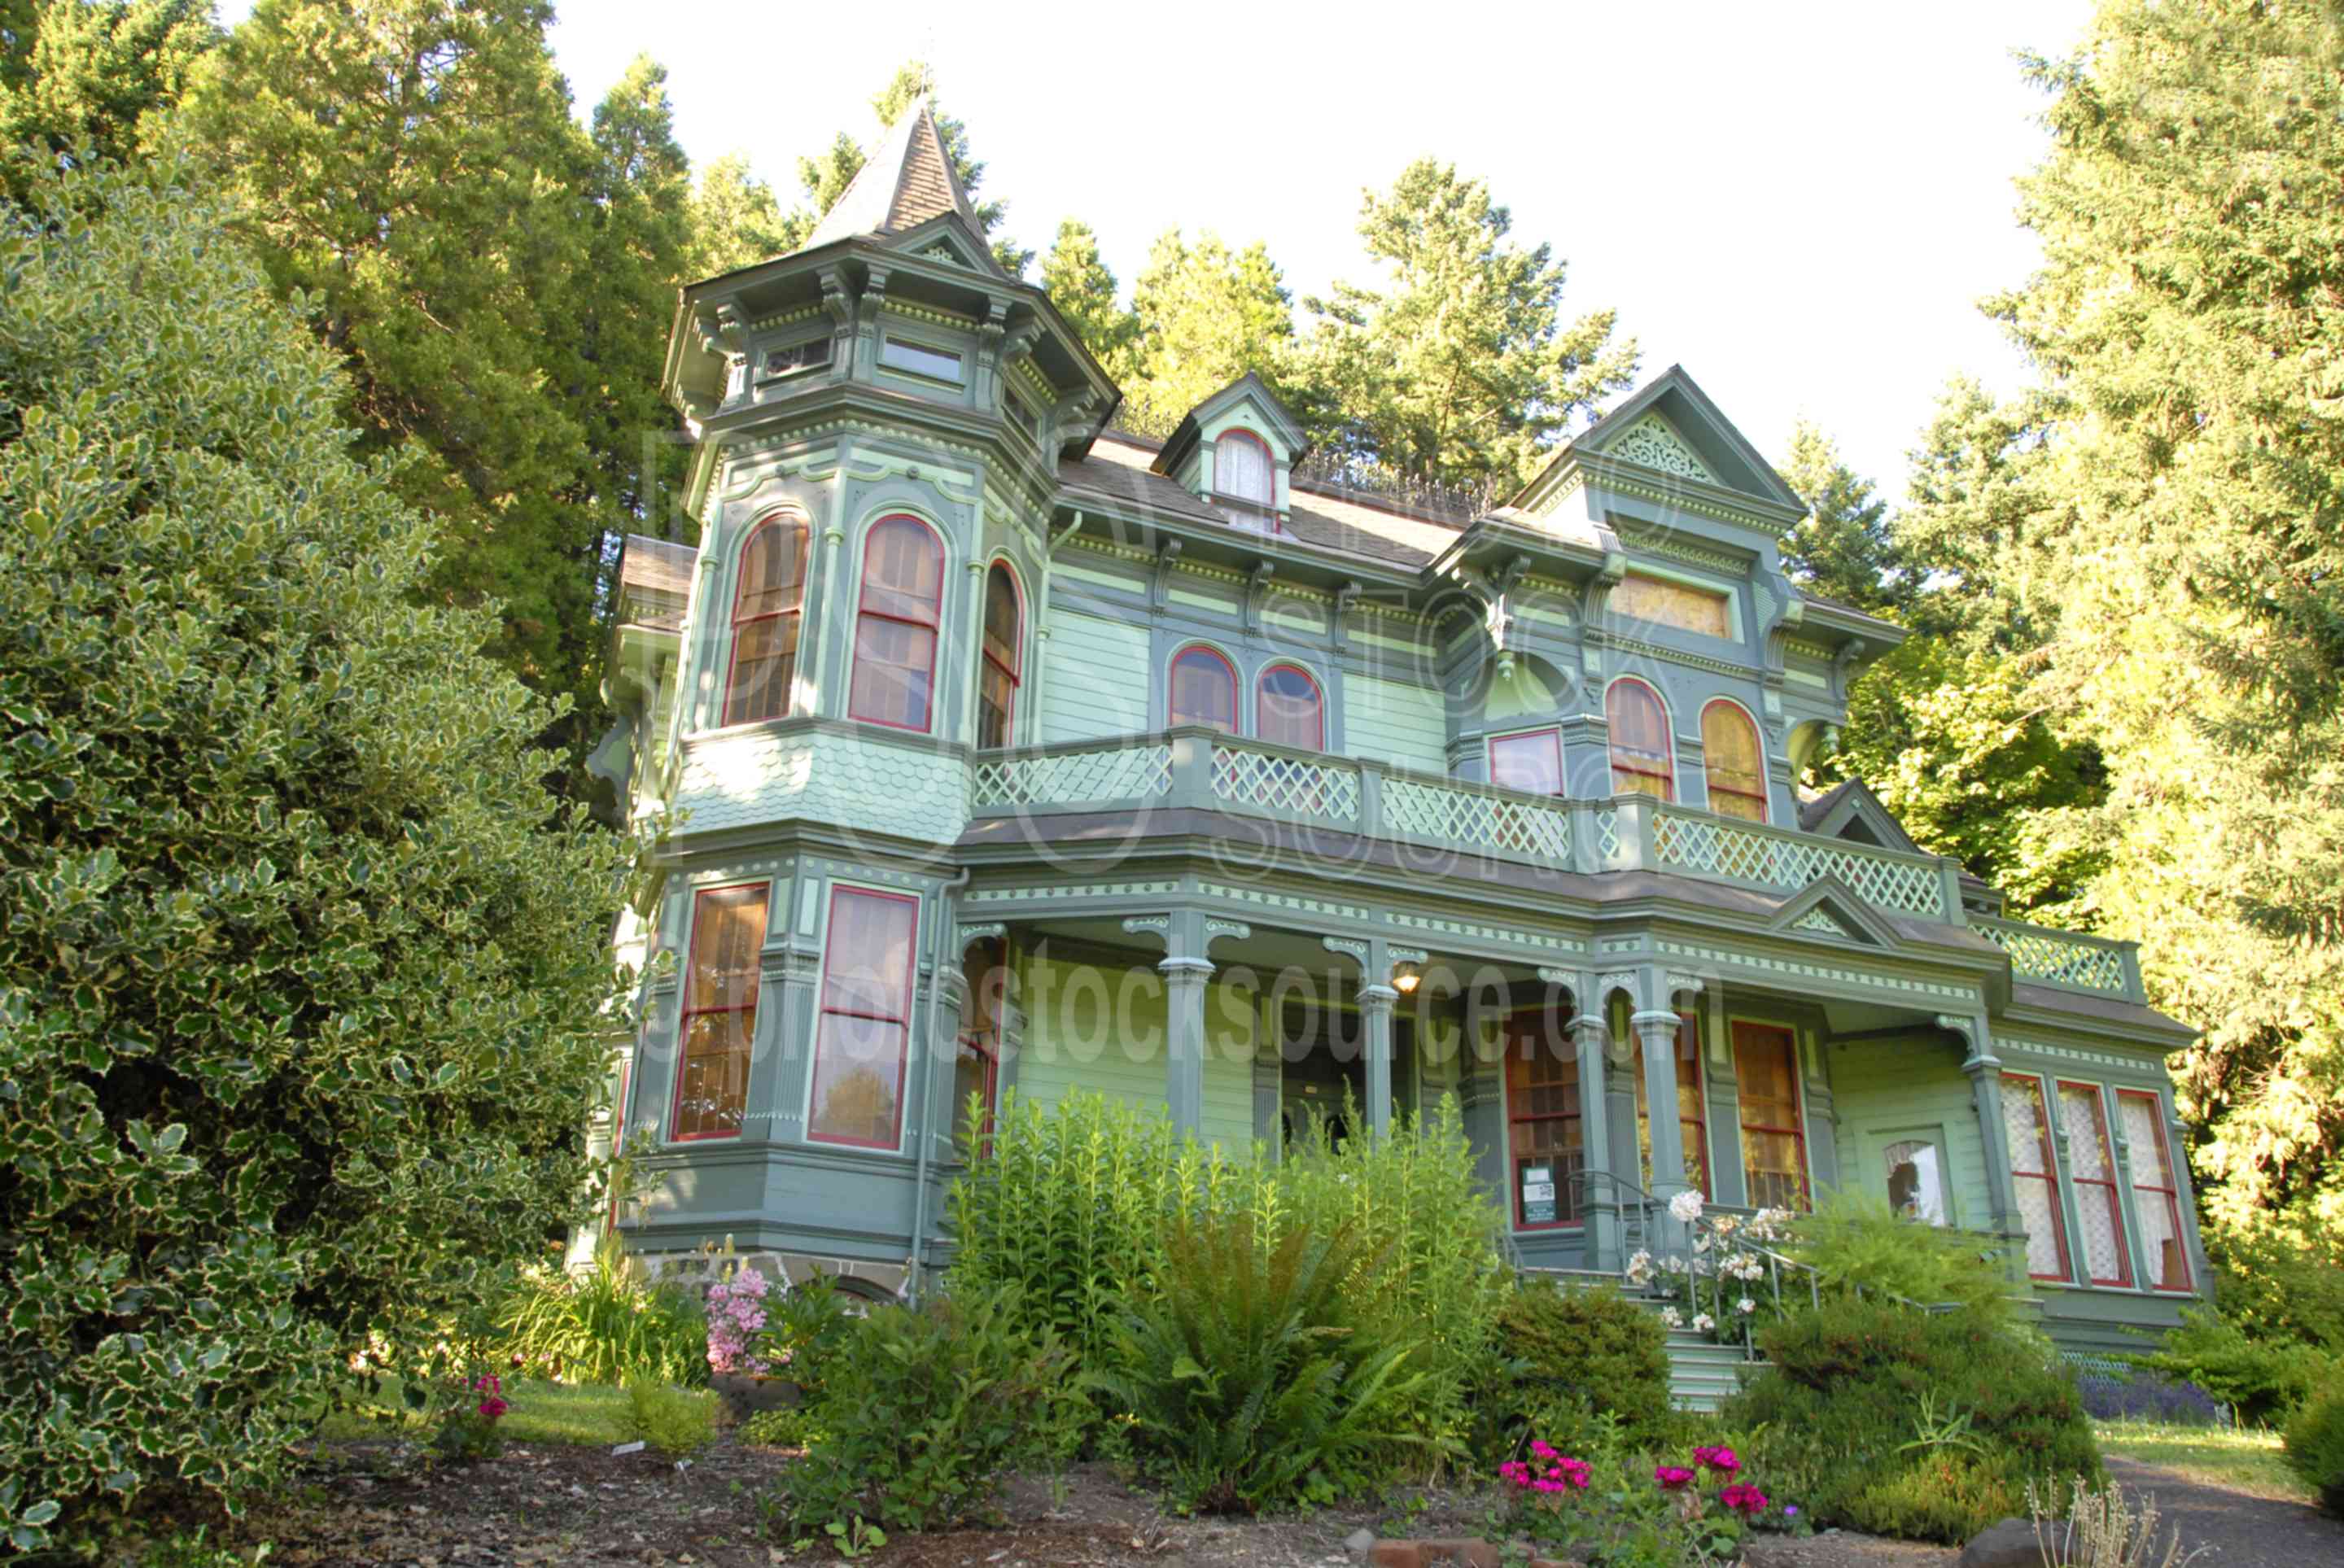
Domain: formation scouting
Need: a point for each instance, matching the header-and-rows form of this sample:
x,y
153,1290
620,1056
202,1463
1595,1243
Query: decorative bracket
x,y
1345,597
1980,1055
983,931
1258,595
1628,981
1167,557
1215,930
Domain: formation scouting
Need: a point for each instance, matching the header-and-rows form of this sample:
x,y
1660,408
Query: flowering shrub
x,y
1676,1517
2147,1395
468,1431
736,1319
1546,1471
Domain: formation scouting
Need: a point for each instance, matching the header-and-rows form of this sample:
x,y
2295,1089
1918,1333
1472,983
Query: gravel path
x,y
2244,1532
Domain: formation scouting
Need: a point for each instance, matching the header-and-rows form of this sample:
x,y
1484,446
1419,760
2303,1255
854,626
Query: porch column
x,y
1656,1031
1592,1039
1984,1071
1376,1001
1183,1039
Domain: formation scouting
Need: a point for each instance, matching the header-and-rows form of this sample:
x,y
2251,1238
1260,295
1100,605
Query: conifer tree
x,y
1205,315
86,73
1841,550
1084,290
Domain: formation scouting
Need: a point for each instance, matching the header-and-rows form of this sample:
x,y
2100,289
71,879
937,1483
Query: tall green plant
x,y
1257,1378
607,1325
1859,1244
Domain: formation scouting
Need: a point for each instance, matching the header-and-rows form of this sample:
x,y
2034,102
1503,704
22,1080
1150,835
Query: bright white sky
x,y
1799,204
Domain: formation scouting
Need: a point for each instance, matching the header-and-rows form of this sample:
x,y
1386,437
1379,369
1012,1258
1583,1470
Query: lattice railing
x,y
2058,957
1520,825
1326,790
1119,772
1720,847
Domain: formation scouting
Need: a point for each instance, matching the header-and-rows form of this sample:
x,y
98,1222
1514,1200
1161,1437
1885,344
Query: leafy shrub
x,y
805,1327
607,1325
1857,1396
1253,1380
677,1422
1076,1204
2315,1448
925,1410
2143,1393
302,974
1855,1239
784,1426
2260,1379
1572,1355
469,1427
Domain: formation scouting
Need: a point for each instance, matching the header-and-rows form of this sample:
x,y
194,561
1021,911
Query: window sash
x,y
1555,1138
766,602
863,1028
1643,759
1290,719
1199,672
717,1028
1772,1124
1242,470
2091,1168
2026,1125
2158,1202
1531,762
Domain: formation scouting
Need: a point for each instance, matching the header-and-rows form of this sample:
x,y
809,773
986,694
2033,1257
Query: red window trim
x,y
823,1011
1515,1201
1268,466
1237,690
934,627
1317,700
1667,772
1796,1133
1551,732
2172,1193
1014,672
2123,1280
2046,1102
740,580
1758,739
688,1012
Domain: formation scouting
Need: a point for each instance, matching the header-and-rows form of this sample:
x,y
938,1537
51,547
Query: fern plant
x,y
1250,1381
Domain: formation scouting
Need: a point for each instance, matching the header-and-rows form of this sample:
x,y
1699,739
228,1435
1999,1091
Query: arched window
x,y
766,607
896,627
1290,712
1241,469
1204,690
999,663
1737,767
1640,757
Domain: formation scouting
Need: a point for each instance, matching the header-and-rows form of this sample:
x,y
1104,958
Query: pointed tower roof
x,y
908,180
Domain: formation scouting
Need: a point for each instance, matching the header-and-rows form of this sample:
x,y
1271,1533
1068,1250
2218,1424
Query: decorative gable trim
x,y
1858,804
1654,442
1828,908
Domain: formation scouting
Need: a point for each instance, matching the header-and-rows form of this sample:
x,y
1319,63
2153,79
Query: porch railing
x,y
2069,960
1201,769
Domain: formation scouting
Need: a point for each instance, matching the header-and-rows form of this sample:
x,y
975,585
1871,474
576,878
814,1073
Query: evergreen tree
x,y
1841,548
1207,315
302,982
734,220
1459,369
2189,527
86,73
1084,290
498,281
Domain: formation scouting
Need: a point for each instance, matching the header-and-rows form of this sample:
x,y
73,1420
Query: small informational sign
x,y
1537,1194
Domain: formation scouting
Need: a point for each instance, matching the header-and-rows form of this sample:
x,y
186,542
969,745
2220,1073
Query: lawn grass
x,y
540,1413
2242,1459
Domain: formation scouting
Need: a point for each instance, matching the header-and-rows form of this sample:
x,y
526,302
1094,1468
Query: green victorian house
x,y
999,747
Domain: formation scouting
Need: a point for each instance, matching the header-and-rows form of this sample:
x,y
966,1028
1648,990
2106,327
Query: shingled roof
x,y
907,180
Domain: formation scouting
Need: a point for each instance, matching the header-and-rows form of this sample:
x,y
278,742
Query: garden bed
x,y
379,1505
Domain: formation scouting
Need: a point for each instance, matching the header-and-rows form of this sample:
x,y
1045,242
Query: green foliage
x,y
678,1423
607,1325
303,988
1855,1239
927,1410
1206,313
81,78
1843,548
1572,1359
2261,1378
806,1326
2315,1447
784,1426
735,219
1076,1202
1255,1379
1459,369
1857,1400
1084,290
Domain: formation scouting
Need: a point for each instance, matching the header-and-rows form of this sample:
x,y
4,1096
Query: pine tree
x,y
1841,548
1207,315
1084,290
735,220
87,74
1459,369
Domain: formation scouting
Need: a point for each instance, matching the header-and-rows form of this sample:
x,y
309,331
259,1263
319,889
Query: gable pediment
x,y
1829,908
949,239
1670,427
1853,812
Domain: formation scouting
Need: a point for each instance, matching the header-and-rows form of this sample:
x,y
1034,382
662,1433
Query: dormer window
x,y
1241,469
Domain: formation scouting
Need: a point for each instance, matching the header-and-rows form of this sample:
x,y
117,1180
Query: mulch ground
x,y
380,1506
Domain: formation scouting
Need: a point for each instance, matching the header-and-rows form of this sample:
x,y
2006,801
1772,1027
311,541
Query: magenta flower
x,y
1672,1477
493,1407
1721,1460
1743,1499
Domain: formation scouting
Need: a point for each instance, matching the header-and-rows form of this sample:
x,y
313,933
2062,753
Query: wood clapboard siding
x,y
1096,680
1908,1083
1388,721
1075,1039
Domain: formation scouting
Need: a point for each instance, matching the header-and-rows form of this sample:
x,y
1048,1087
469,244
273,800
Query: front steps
x,y
1703,1373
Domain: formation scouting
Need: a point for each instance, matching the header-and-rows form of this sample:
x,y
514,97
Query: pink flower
x,y
493,1407
1743,1499
1721,1460
1672,1477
